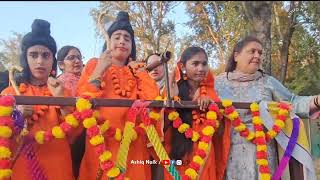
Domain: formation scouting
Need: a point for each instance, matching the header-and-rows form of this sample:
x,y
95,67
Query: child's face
x,y
197,67
40,60
158,72
121,45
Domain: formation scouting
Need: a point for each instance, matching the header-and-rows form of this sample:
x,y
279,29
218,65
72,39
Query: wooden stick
x,y
11,78
102,29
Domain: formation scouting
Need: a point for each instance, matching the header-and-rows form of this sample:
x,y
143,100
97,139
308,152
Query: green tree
x,y
217,26
10,50
259,16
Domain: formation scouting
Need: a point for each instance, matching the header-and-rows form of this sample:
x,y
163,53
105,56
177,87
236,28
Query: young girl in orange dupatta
x,y
52,160
196,84
110,77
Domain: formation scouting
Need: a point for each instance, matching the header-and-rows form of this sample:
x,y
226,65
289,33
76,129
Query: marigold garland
x,y
259,137
6,125
151,132
205,137
126,91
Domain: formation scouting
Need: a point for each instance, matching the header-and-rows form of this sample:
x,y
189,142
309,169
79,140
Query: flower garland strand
x,y
260,141
151,132
205,137
96,139
258,137
283,114
6,126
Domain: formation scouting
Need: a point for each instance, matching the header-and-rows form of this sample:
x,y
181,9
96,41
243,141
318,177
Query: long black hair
x,y
232,64
180,144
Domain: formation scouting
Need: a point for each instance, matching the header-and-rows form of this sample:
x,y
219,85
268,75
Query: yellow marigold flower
x,y
154,115
96,140
105,156
5,110
262,148
197,159
158,98
96,114
233,115
217,123
279,123
204,146
260,134
83,104
183,127
71,120
142,126
89,122
57,132
173,115
114,172
208,131
118,135
211,115
5,132
5,152
39,136
191,173
5,173
226,103
240,128
272,133
283,112
254,107
195,136
265,176
257,120
262,162
250,136
104,127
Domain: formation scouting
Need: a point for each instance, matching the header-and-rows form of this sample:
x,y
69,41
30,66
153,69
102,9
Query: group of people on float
x,y
230,156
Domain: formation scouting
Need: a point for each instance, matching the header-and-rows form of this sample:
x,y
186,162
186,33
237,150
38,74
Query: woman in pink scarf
x,y
70,62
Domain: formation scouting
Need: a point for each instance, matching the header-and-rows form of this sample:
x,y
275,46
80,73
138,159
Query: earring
x,y
53,73
184,72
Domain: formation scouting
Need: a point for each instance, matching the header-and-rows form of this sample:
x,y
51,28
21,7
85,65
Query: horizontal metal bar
x,y
71,101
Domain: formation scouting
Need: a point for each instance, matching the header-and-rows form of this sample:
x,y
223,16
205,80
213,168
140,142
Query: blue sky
x,y
71,23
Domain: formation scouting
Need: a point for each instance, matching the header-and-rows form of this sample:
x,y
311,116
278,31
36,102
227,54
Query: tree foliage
x,y
10,51
217,26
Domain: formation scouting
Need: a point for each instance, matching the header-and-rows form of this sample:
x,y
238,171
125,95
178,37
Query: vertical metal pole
x,y
166,74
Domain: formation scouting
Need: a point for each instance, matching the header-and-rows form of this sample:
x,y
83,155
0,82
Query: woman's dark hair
x,y
25,75
180,144
231,65
63,52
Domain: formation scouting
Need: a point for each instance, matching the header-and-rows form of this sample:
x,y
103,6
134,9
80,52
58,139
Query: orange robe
x,y
215,164
54,157
117,117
